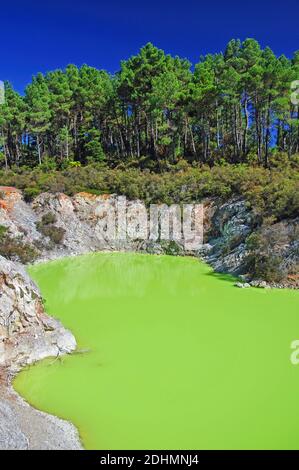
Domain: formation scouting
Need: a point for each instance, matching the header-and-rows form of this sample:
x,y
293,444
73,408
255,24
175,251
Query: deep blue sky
x,y
40,36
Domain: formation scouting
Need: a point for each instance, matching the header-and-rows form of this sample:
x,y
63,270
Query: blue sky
x,y
40,36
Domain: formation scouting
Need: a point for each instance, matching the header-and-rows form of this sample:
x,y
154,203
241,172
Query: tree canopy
x,y
232,107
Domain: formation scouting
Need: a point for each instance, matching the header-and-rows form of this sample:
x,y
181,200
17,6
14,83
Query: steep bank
x,y
28,334
73,229
235,240
24,428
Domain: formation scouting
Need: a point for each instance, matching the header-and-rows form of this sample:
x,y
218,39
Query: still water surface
x,y
178,357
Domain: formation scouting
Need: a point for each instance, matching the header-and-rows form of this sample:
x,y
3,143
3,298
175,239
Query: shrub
x,y
171,248
261,261
48,218
55,234
31,193
46,227
15,249
266,267
3,231
269,192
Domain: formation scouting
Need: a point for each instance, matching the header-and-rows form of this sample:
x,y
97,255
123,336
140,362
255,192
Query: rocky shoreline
x,y
24,428
28,334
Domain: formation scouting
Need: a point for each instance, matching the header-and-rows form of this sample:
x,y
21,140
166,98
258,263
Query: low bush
x,y
15,249
48,218
30,193
272,192
262,263
46,227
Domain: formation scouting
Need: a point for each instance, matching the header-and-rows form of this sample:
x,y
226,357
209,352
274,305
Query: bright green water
x,y
179,357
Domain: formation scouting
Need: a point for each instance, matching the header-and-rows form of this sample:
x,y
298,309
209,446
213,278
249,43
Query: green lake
x,y
178,358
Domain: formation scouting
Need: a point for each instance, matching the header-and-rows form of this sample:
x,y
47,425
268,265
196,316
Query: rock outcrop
x,y
27,334
226,228
24,428
79,217
229,225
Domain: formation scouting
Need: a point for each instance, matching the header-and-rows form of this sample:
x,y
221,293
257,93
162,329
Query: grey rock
x,y
260,284
230,224
11,436
22,427
27,334
242,285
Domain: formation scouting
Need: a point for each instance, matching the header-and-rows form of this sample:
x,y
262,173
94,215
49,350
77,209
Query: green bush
x,y
171,248
31,193
14,248
270,192
56,234
46,227
265,267
262,263
48,218
3,231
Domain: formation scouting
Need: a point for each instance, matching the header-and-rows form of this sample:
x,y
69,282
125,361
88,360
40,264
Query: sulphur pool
x,y
178,358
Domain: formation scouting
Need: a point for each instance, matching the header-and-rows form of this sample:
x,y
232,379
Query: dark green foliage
x,y
48,218
171,248
269,192
55,234
14,248
3,231
265,267
30,194
46,227
233,108
261,261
